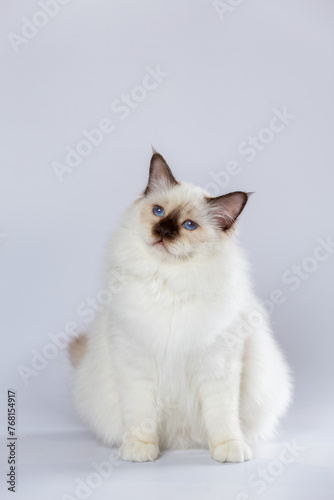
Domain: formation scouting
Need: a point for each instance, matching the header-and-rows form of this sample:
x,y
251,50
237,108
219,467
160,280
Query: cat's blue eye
x,y
190,225
158,211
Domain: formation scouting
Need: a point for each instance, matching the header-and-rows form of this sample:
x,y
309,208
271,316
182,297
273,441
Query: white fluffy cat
x,y
182,355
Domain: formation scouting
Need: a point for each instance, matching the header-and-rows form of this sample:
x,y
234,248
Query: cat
x,y
182,354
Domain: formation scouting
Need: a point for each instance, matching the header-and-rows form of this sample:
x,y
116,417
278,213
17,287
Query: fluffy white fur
x,y
182,356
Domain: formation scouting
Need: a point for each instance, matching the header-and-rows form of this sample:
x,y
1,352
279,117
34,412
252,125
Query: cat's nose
x,y
164,231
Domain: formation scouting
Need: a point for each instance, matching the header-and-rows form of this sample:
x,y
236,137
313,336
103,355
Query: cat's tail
x,y
77,349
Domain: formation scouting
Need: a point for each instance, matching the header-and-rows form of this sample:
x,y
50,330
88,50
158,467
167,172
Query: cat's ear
x,y
227,208
160,174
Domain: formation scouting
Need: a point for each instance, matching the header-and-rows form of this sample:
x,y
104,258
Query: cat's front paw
x,y
138,451
235,450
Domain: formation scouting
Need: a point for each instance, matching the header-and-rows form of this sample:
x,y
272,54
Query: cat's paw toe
x,y
138,451
235,450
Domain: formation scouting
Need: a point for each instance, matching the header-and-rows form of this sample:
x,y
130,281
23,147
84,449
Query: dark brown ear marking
x,y
227,208
160,174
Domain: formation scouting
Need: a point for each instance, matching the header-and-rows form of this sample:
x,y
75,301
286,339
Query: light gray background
x,y
225,78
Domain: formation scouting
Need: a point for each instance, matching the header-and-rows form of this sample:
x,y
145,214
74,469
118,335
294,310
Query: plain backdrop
x,y
226,70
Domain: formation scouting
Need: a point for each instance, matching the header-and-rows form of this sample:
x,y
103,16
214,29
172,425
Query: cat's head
x,y
179,220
